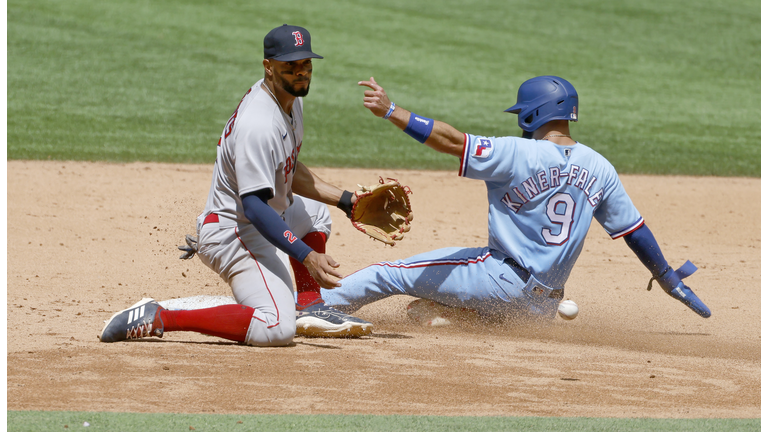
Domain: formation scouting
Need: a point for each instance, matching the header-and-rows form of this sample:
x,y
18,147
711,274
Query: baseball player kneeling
x,y
543,191
266,212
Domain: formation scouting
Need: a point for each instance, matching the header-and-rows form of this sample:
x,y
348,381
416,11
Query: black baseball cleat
x,y
320,320
136,322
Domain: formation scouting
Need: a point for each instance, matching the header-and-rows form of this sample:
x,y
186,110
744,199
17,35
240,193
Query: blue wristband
x,y
391,110
419,128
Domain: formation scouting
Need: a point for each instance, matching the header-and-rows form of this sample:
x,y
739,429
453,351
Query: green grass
x,y
53,420
665,87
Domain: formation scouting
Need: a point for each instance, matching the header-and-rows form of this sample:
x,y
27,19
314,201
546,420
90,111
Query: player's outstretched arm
x,y
436,134
644,245
309,185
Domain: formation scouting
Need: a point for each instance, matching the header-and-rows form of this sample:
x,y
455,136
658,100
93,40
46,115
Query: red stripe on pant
x,y
261,272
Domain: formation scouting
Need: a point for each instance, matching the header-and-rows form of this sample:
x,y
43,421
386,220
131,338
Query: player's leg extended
x,y
310,221
263,295
455,277
148,318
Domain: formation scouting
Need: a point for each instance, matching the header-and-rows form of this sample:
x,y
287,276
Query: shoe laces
x,y
139,331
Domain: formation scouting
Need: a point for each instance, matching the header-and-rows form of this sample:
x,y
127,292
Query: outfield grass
x,y
666,87
53,420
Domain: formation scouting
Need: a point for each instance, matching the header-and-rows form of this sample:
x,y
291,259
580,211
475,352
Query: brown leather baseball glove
x,y
383,211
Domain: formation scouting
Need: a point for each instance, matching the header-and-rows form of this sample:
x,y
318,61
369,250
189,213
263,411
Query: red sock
x,y
307,288
227,321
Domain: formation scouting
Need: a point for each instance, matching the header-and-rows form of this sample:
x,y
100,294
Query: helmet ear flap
x,y
529,119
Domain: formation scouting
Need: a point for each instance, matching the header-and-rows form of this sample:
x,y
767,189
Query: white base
x,y
197,302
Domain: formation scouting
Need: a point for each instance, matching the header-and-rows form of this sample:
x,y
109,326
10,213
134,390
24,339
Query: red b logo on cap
x,y
299,39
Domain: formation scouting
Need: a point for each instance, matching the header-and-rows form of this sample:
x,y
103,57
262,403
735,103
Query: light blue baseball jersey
x,y
541,200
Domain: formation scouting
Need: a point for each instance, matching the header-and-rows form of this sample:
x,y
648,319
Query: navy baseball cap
x,y
288,43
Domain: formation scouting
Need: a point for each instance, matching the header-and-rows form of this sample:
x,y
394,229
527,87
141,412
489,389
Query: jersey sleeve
x,y
257,158
616,213
488,158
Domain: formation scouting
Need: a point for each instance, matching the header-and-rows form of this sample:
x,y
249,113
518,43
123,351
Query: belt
x,y
525,275
519,270
211,218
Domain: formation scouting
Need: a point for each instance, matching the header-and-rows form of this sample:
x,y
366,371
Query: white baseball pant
x,y
259,273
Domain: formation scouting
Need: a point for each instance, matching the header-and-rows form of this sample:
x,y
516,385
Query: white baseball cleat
x,y
320,320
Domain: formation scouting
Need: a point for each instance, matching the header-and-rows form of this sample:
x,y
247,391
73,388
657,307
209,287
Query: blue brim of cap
x,y
515,109
297,55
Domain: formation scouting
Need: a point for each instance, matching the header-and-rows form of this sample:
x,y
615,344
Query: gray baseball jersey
x,y
258,149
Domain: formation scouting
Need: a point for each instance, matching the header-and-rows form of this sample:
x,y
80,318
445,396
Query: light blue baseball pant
x,y
474,278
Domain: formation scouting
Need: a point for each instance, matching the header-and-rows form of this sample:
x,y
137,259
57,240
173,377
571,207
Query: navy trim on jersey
x,y
446,261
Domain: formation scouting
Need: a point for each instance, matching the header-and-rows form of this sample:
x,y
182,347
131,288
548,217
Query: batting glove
x,y
190,249
671,282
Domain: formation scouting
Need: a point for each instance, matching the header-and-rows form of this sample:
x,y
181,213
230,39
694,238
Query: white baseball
x,y
568,310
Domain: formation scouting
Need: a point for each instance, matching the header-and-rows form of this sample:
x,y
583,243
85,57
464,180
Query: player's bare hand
x,y
322,268
376,98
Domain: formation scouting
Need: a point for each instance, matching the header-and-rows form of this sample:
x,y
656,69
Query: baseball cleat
x,y
138,321
433,314
320,320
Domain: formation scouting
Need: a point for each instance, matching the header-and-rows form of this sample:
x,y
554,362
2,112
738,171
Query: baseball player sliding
x,y
265,209
542,195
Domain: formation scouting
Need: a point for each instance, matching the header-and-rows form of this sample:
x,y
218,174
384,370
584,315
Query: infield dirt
x,y
88,239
